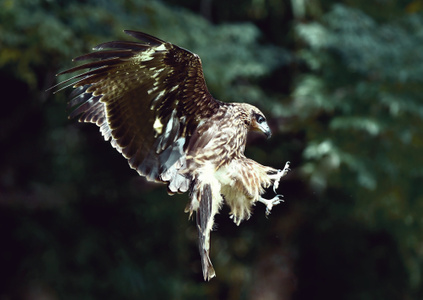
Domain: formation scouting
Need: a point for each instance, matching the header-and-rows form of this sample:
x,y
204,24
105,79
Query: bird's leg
x,y
278,198
270,202
277,177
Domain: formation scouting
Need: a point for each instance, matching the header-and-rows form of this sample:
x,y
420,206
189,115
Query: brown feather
x,y
124,79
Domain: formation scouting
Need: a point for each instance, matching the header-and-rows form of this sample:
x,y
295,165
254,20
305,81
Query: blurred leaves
x,y
362,107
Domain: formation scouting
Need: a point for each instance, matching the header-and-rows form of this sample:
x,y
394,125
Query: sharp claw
x,y
271,202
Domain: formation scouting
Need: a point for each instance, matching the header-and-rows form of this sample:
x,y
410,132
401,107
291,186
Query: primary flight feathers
x,y
151,102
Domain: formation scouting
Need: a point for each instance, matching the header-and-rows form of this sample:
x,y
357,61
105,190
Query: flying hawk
x,y
151,102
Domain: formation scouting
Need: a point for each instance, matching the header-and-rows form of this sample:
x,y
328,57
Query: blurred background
x,y
341,83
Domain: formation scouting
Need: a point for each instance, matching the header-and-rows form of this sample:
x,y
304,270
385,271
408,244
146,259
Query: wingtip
x,y
145,37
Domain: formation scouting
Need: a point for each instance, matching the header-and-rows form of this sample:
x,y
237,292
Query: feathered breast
x,y
219,139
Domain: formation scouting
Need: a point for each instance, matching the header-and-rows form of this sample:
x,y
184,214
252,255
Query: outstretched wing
x,y
147,98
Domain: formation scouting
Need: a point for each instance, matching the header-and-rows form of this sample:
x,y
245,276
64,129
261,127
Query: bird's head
x,y
257,121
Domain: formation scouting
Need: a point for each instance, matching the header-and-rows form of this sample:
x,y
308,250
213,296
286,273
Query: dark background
x,y
341,83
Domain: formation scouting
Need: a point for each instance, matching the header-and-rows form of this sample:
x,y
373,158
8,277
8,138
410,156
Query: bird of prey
x,y
151,102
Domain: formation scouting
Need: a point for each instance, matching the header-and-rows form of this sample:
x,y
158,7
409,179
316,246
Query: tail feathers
x,y
208,270
204,220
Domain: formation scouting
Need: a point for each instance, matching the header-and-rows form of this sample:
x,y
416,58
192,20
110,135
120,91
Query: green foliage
x,y
361,105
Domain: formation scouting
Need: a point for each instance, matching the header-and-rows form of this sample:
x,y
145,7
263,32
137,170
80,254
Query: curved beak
x,y
264,127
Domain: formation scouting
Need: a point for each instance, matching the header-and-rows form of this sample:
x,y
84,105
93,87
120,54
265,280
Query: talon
x,y
271,202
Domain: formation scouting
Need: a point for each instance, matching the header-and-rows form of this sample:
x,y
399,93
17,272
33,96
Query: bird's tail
x,y
204,220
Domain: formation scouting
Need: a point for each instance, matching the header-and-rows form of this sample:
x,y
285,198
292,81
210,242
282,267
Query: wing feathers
x,y
86,78
145,37
95,114
134,46
106,54
95,68
78,96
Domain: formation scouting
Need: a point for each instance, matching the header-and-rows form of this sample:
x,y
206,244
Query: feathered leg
x,y
277,177
278,198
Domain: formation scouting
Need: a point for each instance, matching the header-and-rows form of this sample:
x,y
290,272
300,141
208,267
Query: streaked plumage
x,y
151,102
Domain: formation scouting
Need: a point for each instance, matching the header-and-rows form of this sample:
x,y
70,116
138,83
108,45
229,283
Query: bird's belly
x,y
234,194
224,176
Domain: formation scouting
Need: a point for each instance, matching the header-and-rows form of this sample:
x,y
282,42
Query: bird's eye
x,y
260,119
